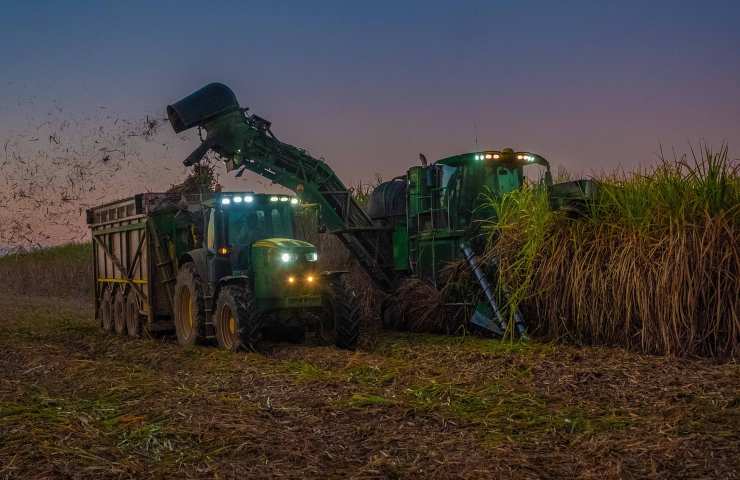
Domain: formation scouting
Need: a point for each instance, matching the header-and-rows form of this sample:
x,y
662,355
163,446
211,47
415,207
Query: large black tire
x,y
189,306
119,312
106,310
340,322
133,317
237,323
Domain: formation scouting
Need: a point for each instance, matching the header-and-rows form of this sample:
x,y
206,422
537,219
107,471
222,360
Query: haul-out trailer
x,y
414,225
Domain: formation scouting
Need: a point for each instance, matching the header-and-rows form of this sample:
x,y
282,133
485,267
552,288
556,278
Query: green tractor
x,y
415,224
252,277
223,266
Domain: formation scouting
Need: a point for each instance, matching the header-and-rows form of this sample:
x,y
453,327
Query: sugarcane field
x,y
408,240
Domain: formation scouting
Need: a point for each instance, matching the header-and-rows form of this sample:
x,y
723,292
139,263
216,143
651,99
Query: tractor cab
x,y
250,236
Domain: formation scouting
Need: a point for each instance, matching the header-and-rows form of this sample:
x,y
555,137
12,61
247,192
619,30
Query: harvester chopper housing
x,y
221,265
414,225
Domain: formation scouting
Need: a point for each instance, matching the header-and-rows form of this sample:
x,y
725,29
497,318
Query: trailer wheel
x,y
340,322
190,316
119,313
236,321
133,318
106,310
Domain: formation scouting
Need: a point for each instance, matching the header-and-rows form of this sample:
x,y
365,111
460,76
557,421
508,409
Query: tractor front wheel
x,y
236,322
340,322
189,307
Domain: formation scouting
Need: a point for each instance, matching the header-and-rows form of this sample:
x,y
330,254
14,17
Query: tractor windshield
x,y
247,225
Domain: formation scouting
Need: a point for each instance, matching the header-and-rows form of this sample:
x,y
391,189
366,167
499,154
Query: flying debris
x,y
45,187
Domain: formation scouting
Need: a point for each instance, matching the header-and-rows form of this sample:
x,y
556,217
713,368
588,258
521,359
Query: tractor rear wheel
x,y
190,315
340,322
236,321
119,313
133,318
105,310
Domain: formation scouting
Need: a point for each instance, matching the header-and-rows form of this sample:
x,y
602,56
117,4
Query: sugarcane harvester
x,y
415,224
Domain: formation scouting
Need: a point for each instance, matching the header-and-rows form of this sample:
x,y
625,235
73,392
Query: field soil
x,y
77,403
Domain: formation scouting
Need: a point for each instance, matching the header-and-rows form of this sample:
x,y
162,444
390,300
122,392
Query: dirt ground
x,y
76,403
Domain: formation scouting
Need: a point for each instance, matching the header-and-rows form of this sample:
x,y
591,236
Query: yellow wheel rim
x,y
227,324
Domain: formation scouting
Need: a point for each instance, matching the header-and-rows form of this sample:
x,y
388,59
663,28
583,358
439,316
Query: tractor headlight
x,y
312,257
287,257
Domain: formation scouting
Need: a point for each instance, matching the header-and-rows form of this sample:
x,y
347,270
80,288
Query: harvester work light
x,y
273,199
248,198
237,199
488,156
225,201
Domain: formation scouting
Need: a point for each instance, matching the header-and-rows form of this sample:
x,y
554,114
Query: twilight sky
x,y
590,85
